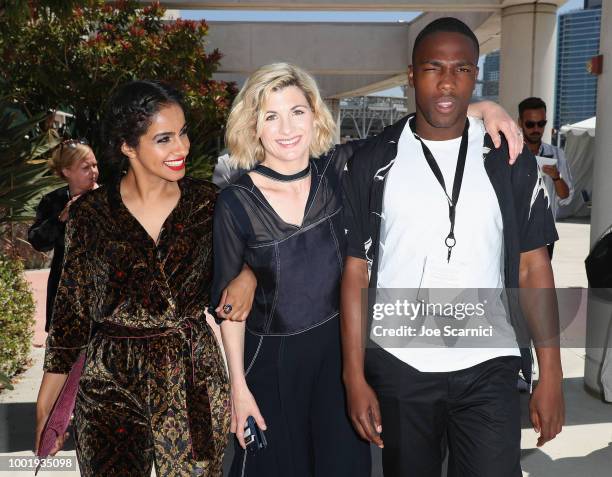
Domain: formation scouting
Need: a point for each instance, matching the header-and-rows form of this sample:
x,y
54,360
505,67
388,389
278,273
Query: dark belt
x,y
198,396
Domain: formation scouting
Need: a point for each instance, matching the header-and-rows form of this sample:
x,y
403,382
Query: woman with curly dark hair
x,y
132,296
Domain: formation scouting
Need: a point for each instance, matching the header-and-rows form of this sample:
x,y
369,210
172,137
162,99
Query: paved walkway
x,y
583,449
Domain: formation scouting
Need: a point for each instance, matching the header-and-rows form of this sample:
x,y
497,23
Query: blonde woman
x,y
73,161
283,219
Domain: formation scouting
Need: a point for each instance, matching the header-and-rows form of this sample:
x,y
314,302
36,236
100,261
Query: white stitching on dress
x,y
304,229
244,463
333,234
254,356
269,320
325,320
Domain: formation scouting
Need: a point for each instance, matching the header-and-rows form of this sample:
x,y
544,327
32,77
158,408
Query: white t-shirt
x,y
413,255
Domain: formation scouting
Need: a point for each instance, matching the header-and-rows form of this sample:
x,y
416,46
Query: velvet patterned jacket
x,y
115,273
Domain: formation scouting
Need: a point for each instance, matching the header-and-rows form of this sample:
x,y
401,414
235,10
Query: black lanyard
x,y
450,240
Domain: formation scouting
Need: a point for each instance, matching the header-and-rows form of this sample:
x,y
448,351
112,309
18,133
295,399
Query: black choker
x,y
276,176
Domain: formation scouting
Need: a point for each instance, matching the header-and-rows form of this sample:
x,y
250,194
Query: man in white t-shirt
x,y
435,215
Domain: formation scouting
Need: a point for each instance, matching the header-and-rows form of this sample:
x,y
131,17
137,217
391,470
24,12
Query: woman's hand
x,y
237,298
497,120
243,406
63,216
41,420
50,388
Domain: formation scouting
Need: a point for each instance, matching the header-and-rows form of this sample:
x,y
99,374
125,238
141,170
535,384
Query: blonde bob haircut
x,y
245,120
66,155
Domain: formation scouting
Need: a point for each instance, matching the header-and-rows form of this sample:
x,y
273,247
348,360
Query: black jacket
x,y
527,220
47,233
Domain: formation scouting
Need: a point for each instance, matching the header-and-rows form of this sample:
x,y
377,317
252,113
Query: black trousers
x,y
297,383
474,412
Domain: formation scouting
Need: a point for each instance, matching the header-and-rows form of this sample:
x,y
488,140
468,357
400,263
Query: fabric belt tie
x,y
198,394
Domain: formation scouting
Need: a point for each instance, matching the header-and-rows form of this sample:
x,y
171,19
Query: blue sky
x,y
571,5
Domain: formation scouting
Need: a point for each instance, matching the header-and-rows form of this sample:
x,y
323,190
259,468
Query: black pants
x,y
297,383
474,412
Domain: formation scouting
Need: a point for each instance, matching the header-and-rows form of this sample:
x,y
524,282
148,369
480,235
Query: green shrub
x,y
71,55
16,316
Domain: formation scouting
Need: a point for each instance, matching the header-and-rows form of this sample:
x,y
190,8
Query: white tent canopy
x,y
581,127
579,151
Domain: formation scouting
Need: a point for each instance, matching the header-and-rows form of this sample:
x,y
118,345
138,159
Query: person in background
x,y
73,161
557,179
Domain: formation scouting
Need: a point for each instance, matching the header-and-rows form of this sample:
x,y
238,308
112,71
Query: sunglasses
x,y
533,124
72,143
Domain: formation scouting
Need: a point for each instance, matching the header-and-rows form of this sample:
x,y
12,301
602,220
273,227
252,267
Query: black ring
x,y
454,241
227,308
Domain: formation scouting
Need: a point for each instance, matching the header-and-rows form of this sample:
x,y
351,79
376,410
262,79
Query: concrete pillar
x,y
410,99
334,109
528,56
598,364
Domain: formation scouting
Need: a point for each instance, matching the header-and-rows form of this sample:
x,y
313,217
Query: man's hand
x,y
561,188
547,409
552,171
362,403
364,411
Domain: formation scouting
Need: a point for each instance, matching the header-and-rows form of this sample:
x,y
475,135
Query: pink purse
x,y
60,415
